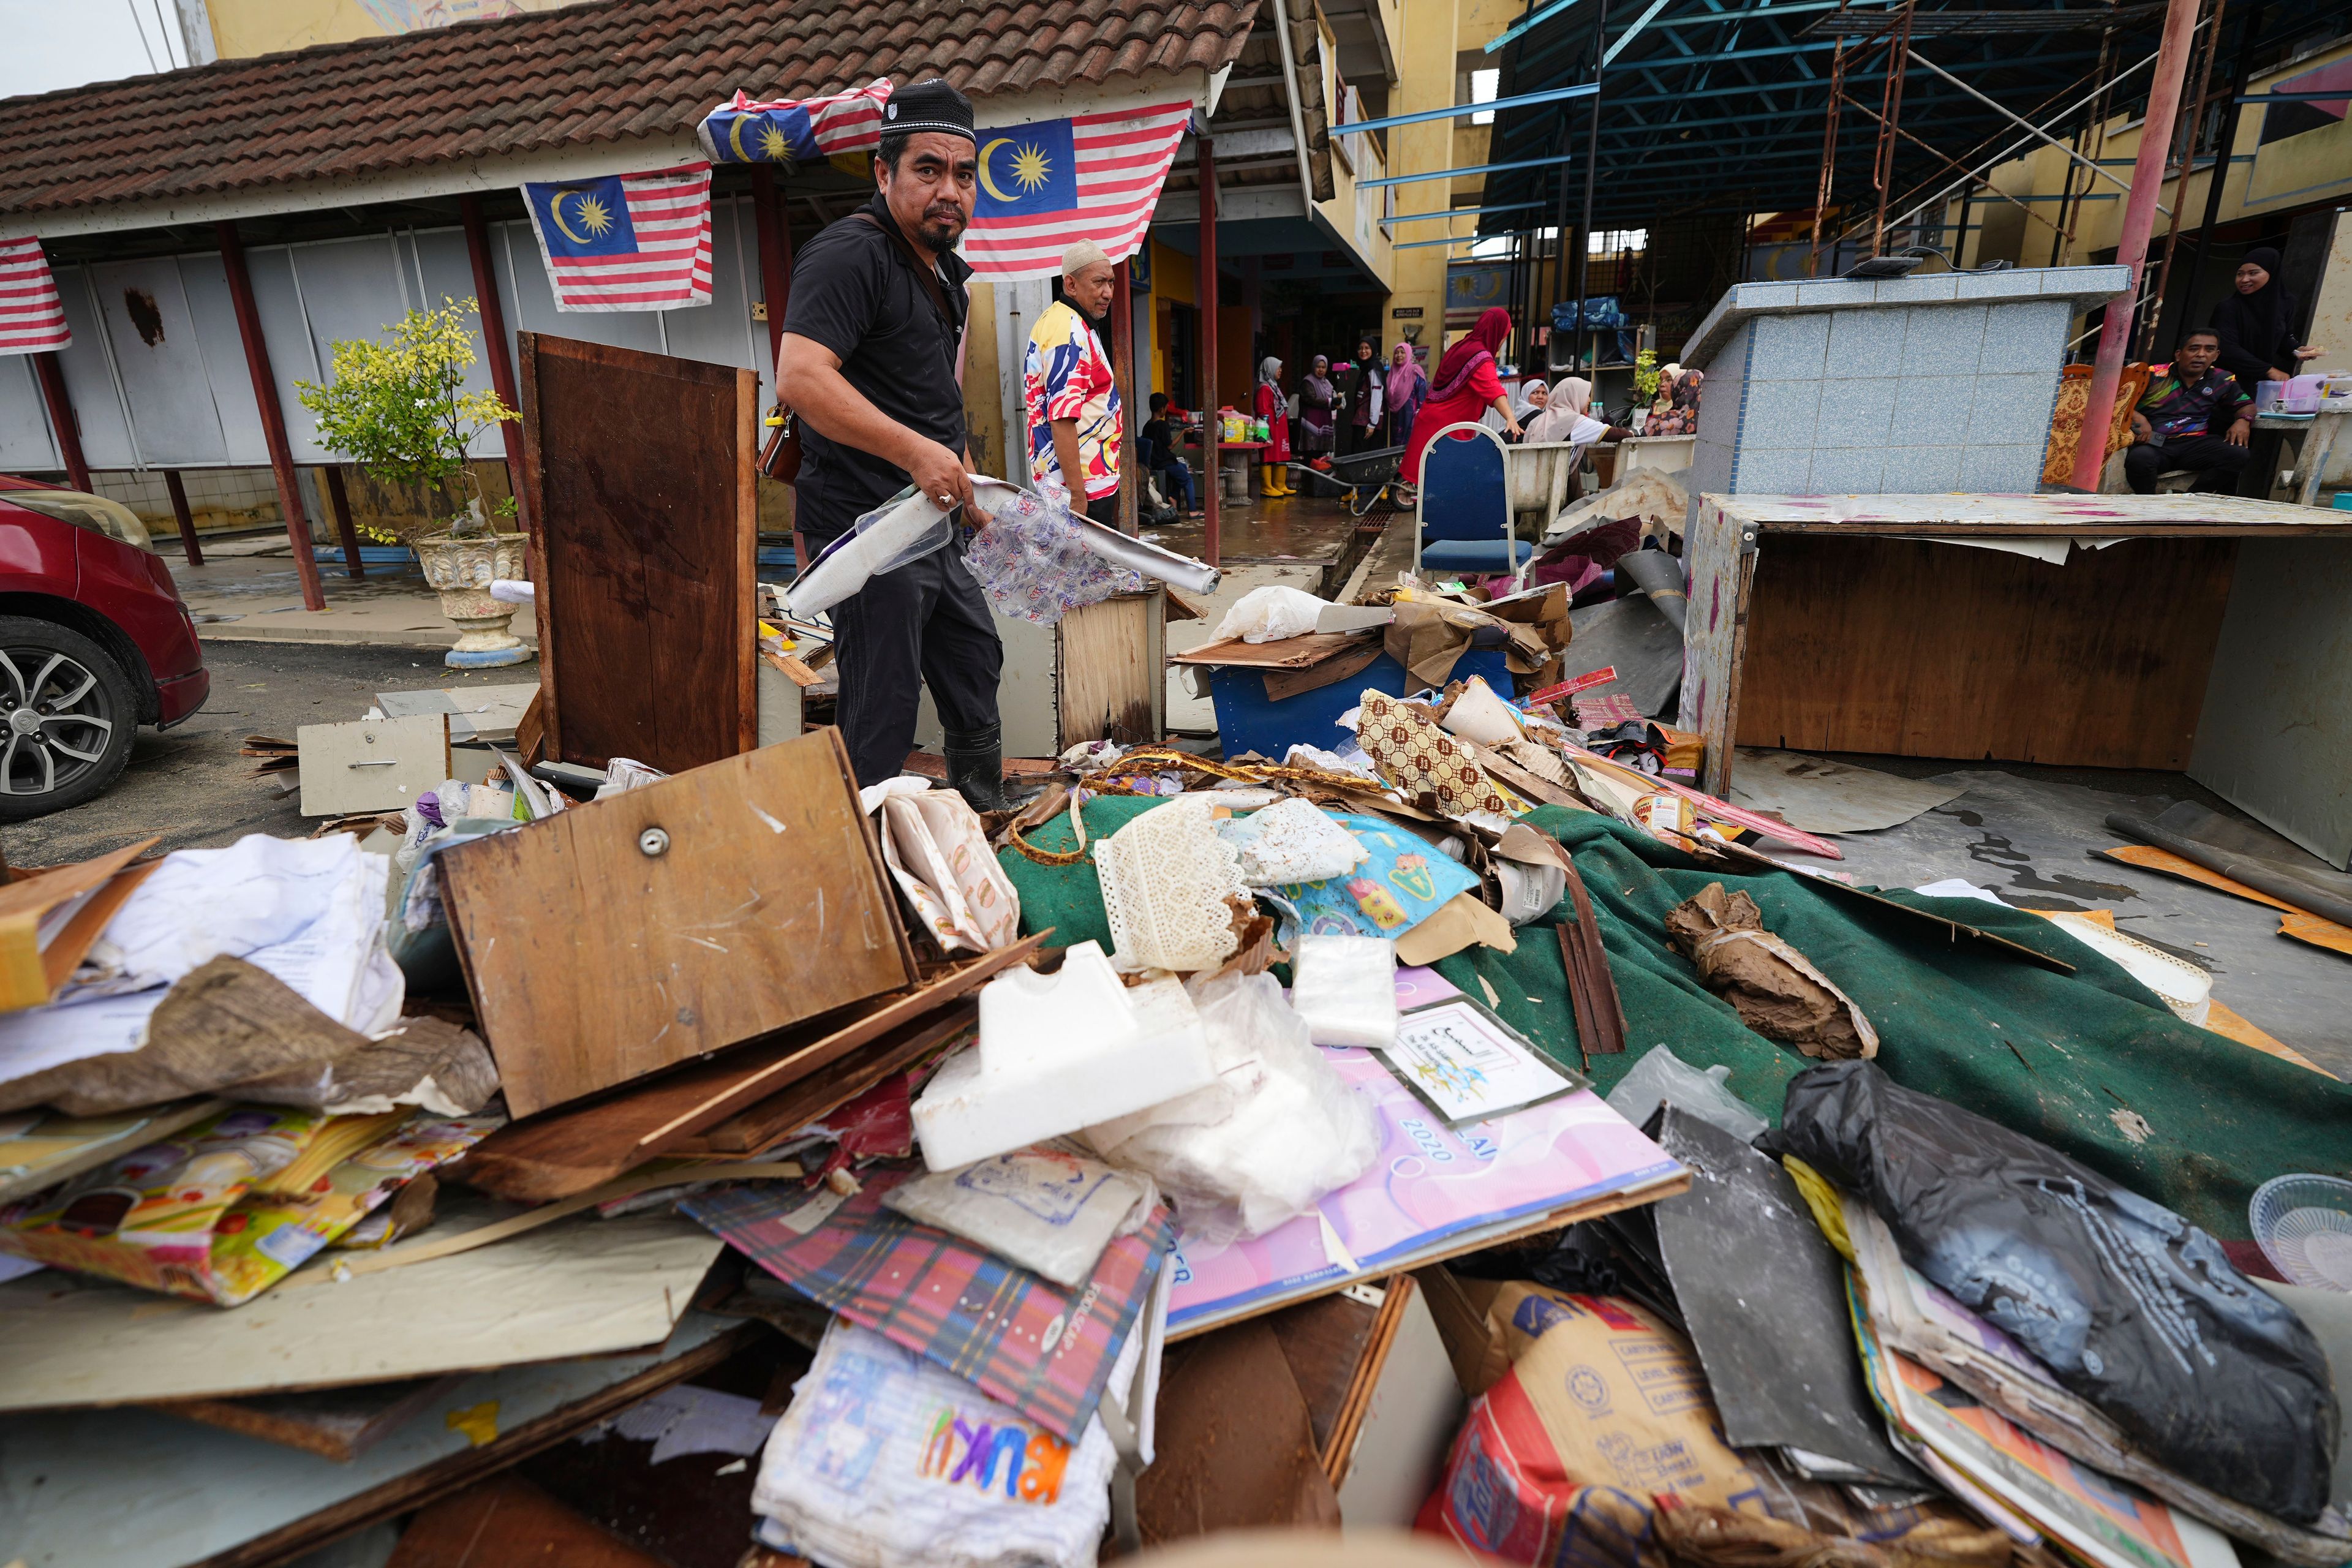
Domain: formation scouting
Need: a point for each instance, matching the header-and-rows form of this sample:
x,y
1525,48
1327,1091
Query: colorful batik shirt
x,y
1067,375
2173,409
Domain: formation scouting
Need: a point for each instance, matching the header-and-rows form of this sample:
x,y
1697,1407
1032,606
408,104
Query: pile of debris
x,y
738,1165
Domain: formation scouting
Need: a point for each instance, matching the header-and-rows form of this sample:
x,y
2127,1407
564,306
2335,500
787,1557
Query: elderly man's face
x,y
1091,288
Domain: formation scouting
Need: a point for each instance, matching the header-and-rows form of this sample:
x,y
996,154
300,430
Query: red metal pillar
x,y
52,377
1122,357
775,236
2131,246
339,500
494,344
181,515
273,417
1213,482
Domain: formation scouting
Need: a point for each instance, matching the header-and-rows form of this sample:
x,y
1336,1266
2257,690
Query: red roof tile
x,y
602,71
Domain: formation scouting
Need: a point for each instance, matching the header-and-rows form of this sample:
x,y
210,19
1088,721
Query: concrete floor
x,y
2031,834
247,589
191,786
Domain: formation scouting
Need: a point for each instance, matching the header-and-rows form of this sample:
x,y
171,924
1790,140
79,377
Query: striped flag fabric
x,y
790,130
625,242
1048,184
32,316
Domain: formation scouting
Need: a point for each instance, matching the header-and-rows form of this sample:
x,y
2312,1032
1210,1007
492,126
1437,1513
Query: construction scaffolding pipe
x,y
2131,249
2187,143
2011,150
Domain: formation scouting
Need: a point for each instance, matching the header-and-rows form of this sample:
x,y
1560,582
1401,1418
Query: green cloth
x,y
2056,1057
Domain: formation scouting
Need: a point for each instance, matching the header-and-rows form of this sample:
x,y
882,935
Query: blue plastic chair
x,y
1466,506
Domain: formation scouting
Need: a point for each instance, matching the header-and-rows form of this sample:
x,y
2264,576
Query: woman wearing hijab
x,y
1408,387
1465,386
1317,421
1568,416
1364,410
2256,324
1274,408
1533,396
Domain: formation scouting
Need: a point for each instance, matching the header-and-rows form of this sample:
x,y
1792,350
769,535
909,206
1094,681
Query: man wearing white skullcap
x,y
1077,425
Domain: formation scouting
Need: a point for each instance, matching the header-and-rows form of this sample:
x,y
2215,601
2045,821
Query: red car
x,y
94,642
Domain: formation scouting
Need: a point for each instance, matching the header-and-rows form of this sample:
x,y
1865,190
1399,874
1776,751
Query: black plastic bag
x,y
2127,1304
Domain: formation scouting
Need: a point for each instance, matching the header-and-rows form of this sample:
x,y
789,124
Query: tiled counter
x,y
1906,385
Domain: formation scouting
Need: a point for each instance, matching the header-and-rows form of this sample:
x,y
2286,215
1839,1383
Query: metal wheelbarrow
x,y
1365,479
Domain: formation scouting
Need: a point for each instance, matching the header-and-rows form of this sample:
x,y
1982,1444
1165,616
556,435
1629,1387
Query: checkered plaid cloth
x,y
1025,1340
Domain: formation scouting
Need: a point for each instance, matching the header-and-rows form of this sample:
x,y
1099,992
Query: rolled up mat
x,y
1659,575
2243,869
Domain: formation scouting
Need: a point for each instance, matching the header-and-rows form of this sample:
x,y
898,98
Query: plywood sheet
x,y
581,1286
1824,796
594,962
639,471
1919,649
1110,673
226,1499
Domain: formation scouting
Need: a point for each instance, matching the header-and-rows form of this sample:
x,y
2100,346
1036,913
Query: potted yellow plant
x,y
401,411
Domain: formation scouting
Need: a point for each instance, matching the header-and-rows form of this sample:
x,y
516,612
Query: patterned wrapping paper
x,y
1032,564
1429,767
1024,1340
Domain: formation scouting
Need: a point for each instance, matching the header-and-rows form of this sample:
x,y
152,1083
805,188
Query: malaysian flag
x,y
32,316
625,242
1091,176
790,131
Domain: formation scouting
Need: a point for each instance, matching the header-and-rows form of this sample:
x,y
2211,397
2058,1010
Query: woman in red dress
x,y
1274,408
1467,384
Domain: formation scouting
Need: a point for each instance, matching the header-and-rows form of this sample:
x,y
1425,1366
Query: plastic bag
x,y
904,529
1345,987
1277,1131
1291,841
1662,1077
1270,614
2127,1304
1031,561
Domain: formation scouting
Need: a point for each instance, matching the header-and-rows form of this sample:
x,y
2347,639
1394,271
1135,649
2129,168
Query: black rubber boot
x,y
976,768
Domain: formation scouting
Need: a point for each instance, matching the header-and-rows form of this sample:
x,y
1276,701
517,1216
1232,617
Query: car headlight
x,y
96,513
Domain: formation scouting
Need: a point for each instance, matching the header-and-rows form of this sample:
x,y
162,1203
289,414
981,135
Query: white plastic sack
x,y
1048,1207
1277,1131
884,1460
1345,987
905,528
1270,614
1292,841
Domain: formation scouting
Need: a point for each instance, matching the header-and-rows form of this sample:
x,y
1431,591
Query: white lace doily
x,y
1165,878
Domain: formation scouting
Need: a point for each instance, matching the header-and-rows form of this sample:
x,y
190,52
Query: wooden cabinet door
x,y
623,936
638,469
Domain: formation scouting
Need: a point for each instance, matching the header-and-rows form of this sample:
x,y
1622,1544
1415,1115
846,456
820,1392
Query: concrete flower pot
x,y
461,570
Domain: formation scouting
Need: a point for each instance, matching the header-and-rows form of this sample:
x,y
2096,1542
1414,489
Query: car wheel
x,y
67,718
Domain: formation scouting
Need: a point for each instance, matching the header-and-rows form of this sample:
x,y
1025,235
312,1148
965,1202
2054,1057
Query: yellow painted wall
x,y
1426,58
242,27
2292,173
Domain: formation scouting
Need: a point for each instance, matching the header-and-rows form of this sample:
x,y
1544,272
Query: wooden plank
x,y
770,1121
1339,1447
1285,683
595,959
372,764
1107,678
338,1424
640,471
1290,653
1721,566
569,1150
1947,512
1928,650
421,1485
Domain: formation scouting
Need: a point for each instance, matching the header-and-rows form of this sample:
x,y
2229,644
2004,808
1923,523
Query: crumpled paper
x,y
1776,992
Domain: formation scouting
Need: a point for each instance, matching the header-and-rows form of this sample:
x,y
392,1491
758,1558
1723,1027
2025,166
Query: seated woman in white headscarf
x,y
1567,417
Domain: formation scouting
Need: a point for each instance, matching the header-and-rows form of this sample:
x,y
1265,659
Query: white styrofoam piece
x,y
1352,618
1057,1053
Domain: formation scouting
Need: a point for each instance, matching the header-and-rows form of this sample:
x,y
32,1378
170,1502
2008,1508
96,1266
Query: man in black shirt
x,y
871,349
